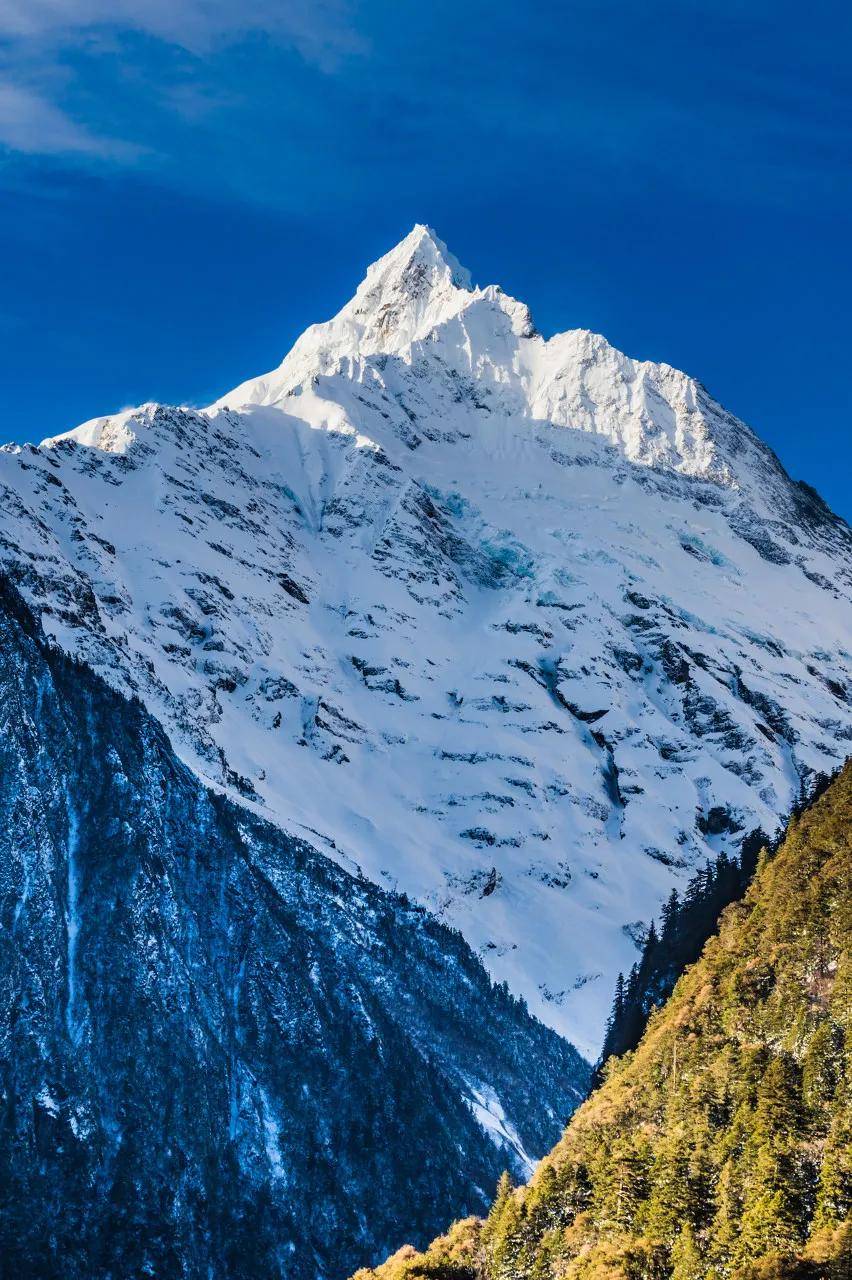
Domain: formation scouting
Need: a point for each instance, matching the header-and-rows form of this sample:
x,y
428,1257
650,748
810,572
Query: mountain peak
x,y
417,305
418,282
405,294
419,262
520,623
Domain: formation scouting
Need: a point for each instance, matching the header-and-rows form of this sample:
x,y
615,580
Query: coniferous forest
x,y
686,922
722,1145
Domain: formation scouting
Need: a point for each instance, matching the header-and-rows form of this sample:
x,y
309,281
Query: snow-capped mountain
x,y
519,626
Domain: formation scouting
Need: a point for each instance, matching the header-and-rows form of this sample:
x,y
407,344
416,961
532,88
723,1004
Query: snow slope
x,y
522,627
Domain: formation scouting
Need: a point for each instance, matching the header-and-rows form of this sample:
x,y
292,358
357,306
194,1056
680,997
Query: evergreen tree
x,y
834,1195
503,1193
686,1260
619,1182
498,1235
671,1203
669,914
822,1067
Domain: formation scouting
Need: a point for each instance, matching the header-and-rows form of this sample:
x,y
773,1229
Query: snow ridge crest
x,y
417,306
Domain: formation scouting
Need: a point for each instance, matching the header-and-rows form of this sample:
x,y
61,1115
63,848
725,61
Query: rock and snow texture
x,y
522,627
222,1054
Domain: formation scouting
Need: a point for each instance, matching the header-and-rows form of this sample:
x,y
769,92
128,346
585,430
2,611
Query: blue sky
x,y
183,189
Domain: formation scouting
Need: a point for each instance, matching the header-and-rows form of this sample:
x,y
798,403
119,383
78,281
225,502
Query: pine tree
x,y
499,1232
671,1203
767,1227
669,914
834,1194
822,1065
778,1113
502,1194
619,1182
724,1234
686,1260
618,1000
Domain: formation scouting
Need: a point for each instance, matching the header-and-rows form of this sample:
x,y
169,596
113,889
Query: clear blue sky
x,y
184,189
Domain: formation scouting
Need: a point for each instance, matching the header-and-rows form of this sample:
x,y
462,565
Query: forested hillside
x,y
721,1146
685,925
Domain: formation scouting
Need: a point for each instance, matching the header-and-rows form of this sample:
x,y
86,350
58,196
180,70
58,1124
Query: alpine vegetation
x,y
721,1147
685,925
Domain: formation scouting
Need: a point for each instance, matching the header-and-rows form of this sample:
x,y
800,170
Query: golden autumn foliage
x,y
721,1149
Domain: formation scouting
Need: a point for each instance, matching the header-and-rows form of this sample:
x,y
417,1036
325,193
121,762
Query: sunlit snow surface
x,y
488,1109
522,627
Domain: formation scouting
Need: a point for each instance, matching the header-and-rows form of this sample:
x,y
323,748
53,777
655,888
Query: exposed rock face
x,y
221,1053
522,627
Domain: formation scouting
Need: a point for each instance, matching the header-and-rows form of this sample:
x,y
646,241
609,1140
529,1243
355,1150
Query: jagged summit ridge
x,y
523,627
404,297
417,303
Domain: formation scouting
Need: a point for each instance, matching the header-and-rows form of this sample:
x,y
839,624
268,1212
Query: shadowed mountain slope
x,y
220,1053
